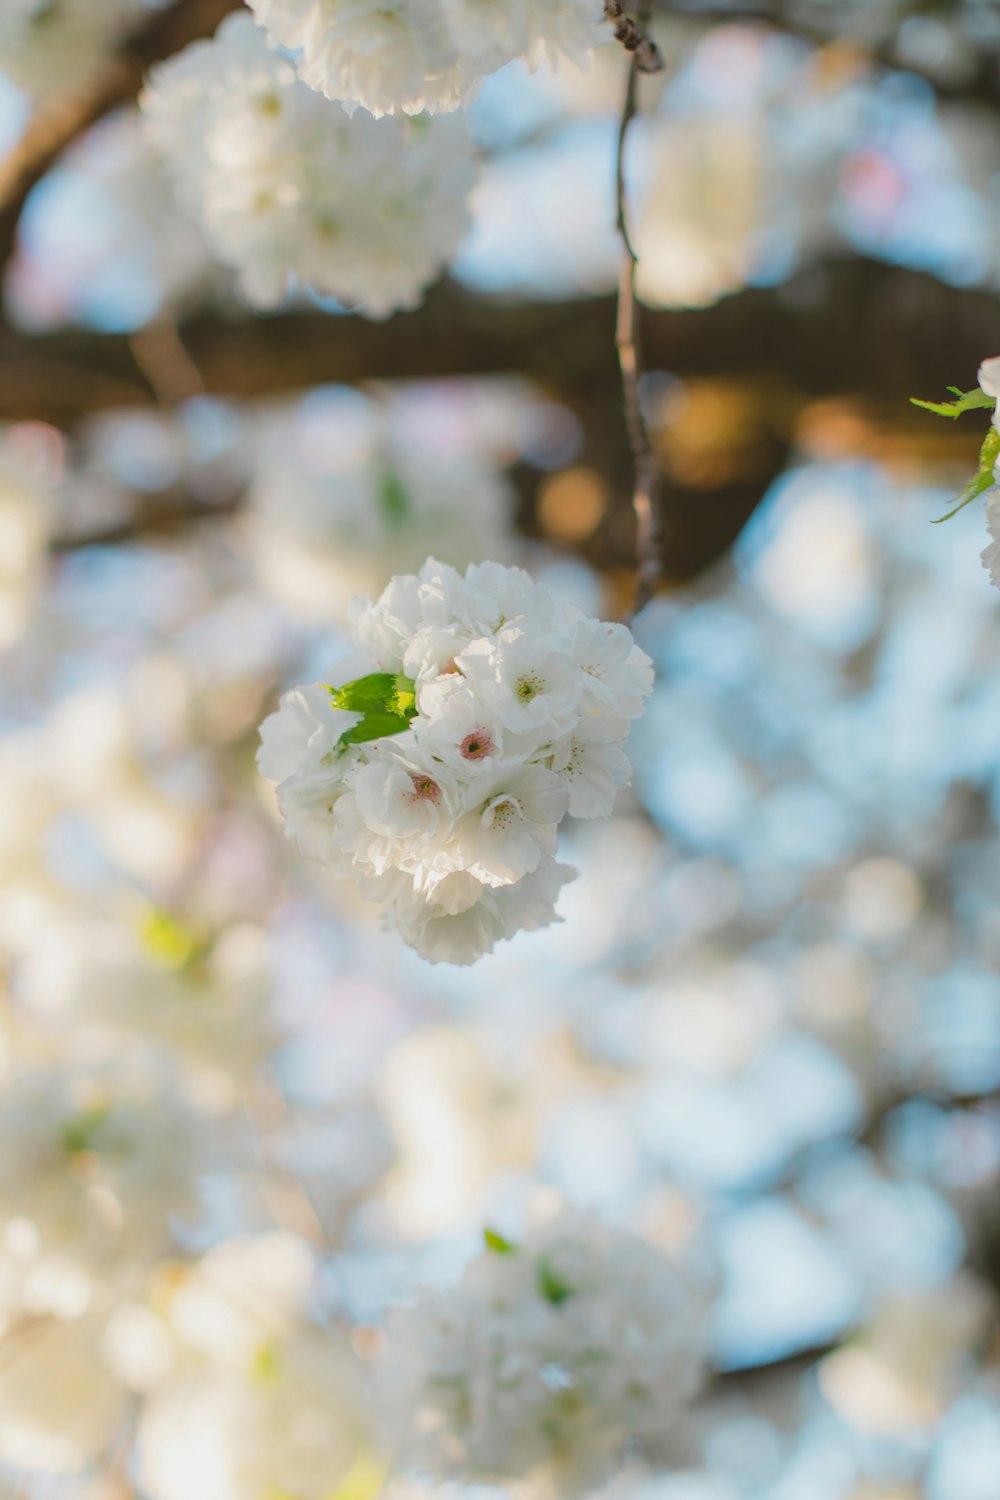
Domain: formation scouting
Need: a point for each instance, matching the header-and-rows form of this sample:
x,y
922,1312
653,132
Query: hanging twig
x,y
633,38
287,1196
646,472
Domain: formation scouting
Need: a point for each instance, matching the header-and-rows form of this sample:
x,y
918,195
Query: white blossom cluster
x,y
414,55
288,189
47,44
255,1400
989,381
108,1156
332,514
439,779
552,1358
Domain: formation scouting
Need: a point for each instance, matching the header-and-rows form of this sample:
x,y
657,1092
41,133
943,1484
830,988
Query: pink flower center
x,y
477,745
425,789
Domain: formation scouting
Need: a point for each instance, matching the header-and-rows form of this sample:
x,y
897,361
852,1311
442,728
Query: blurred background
x,y
767,1033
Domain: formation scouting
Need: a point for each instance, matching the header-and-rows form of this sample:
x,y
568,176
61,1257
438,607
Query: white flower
x,y
492,35
303,733
299,751
385,54
593,765
60,1406
495,596
346,494
460,730
463,920
288,188
618,674
107,1159
262,1402
47,45
413,55
511,825
530,682
246,1293
447,808
291,1429
398,812
210,1006
552,1358
989,381
989,376
431,598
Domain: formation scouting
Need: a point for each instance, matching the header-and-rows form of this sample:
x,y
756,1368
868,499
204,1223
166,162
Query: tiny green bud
x,y
497,1243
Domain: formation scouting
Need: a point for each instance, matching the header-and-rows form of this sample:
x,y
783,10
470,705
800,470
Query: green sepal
x,y
168,941
976,400
497,1243
393,500
80,1133
386,701
989,453
266,1362
551,1286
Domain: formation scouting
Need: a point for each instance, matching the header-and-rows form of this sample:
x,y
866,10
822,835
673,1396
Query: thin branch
x,y
287,1196
646,501
164,514
723,1381
633,38
69,115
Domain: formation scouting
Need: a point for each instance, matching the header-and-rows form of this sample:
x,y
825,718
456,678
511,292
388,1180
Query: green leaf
x,y
976,400
386,701
168,941
393,500
551,1286
985,479
266,1362
80,1133
496,1242
374,726
368,694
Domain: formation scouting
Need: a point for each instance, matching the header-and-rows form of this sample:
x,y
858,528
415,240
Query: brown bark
x,y
850,327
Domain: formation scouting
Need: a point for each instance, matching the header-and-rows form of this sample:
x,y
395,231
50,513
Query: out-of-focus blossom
x,y
48,45
61,1407
262,1401
108,1158
291,189
552,1357
326,530
422,54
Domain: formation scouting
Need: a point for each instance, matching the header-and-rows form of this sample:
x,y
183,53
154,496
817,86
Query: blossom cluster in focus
x,y
481,715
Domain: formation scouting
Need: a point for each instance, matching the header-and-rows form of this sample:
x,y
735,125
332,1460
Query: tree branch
x,y
67,116
646,499
976,83
850,326
633,37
